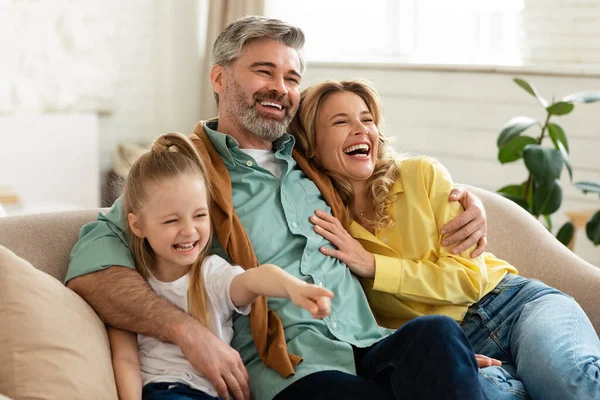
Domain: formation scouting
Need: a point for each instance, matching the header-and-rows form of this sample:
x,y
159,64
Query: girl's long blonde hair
x,y
386,171
171,155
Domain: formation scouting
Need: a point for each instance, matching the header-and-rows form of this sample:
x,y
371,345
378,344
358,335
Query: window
x,y
420,31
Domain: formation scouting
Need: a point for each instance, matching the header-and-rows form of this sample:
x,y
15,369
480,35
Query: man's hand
x,y
125,300
468,228
215,360
485,361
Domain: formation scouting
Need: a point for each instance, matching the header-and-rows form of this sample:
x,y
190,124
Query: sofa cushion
x,y
52,344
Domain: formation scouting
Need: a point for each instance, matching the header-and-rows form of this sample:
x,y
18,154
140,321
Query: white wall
x,y
158,66
135,63
455,115
562,31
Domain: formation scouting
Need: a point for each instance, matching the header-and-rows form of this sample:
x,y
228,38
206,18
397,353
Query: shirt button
x,y
295,225
249,163
334,324
432,308
384,240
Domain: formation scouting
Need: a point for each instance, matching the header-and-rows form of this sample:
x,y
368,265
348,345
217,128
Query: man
x,y
256,76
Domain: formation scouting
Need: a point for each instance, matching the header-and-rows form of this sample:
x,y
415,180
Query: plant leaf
x,y
547,197
588,187
583,97
512,150
516,199
529,88
566,161
548,222
592,229
560,108
565,233
559,138
557,134
513,190
513,128
545,164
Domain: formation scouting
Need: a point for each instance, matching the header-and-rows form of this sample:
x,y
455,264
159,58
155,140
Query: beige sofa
x,y
61,351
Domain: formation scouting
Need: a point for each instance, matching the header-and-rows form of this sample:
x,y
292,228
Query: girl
x,y
549,346
167,200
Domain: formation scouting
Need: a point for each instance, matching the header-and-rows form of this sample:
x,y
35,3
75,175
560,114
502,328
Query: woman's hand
x,y
485,361
349,250
315,299
468,228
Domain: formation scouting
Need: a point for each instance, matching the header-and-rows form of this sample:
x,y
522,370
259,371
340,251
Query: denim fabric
x,y
428,358
549,347
173,391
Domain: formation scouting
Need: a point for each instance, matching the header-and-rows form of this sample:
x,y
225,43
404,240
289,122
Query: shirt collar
x,y
227,146
360,233
397,187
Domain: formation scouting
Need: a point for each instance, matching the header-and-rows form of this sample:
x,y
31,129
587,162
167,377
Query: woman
x,y
547,344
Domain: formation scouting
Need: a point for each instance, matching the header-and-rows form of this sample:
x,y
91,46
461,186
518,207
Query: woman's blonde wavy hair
x,y
303,127
172,154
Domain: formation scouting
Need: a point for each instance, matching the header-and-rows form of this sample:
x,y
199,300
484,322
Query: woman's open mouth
x,y
361,150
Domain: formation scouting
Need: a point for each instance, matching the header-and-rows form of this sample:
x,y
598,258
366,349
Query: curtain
x,y
220,14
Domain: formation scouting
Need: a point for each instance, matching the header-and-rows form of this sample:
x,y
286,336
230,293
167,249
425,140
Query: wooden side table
x,y
8,198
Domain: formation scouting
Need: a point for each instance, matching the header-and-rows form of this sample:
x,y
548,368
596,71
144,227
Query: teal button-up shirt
x,y
275,214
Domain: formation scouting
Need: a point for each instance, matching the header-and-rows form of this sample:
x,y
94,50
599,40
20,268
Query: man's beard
x,y
250,119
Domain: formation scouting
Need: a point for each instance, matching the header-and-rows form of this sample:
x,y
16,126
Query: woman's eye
x,y
200,215
339,122
170,221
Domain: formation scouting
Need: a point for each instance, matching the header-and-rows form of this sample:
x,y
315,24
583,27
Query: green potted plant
x,y
592,228
541,193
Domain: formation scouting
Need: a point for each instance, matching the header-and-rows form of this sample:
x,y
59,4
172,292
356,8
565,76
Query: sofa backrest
x,y
45,240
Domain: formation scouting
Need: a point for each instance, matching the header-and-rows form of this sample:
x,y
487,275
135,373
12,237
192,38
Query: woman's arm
x,y
270,280
435,275
126,363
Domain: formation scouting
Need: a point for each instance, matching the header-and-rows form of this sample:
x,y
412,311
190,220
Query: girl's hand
x,y
485,361
315,299
349,250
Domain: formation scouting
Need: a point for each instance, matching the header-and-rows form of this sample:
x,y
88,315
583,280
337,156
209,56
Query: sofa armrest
x,y
517,237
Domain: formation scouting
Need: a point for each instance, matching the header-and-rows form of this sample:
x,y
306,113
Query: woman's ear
x,y
135,225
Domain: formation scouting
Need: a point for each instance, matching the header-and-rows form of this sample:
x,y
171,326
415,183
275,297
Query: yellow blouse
x,y
414,274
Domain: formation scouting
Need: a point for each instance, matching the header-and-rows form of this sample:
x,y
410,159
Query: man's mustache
x,y
269,96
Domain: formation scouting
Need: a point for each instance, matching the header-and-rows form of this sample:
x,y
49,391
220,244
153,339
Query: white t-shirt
x,y
165,362
267,160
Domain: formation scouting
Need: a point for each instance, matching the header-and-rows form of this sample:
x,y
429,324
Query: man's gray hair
x,y
228,45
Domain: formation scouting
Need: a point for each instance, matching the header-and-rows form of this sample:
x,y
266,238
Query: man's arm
x,y
468,228
124,300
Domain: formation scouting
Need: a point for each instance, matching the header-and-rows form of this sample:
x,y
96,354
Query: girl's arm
x,y
126,363
270,280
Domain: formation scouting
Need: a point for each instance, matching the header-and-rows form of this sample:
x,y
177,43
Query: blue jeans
x,y
173,391
548,345
427,358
